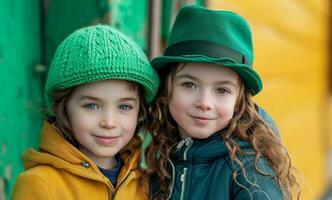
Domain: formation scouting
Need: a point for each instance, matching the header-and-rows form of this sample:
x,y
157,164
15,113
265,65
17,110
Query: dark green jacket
x,y
203,170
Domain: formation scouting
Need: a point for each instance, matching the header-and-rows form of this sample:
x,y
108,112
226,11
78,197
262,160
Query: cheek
x,y
226,109
131,126
80,121
82,124
177,106
129,129
129,123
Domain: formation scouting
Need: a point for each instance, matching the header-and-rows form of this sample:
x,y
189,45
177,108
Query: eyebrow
x,y
224,82
181,76
83,97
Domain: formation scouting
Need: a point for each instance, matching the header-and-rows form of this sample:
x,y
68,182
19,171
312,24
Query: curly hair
x,y
246,125
61,122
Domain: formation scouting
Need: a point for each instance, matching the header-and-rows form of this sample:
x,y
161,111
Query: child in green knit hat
x,y
97,90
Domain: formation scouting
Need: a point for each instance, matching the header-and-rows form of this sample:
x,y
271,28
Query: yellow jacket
x,y
61,171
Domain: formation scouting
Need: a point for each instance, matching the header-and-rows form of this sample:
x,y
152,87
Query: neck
x,y
106,163
102,162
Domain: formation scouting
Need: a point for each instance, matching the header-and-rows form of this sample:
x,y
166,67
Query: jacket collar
x,y
205,150
59,153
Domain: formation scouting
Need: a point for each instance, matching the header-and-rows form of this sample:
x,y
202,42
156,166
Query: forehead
x,y
110,88
209,71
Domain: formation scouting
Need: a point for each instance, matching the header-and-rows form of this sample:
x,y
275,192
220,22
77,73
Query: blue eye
x,y
91,106
125,107
188,84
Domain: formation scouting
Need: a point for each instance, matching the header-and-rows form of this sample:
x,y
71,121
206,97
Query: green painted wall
x,y
131,17
20,83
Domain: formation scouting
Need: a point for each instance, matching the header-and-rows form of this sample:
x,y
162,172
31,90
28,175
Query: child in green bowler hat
x,y
97,90
212,143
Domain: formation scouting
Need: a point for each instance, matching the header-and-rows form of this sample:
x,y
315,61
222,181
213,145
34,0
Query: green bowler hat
x,y
211,36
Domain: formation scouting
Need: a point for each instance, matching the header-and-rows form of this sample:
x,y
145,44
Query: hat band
x,y
210,49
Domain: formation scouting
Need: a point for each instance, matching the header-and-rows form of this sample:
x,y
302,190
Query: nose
x,y
107,121
203,101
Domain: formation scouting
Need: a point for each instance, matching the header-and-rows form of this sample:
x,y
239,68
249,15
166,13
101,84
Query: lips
x,y
105,137
200,117
106,140
201,120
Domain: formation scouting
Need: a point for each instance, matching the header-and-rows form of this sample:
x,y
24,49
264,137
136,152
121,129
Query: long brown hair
x,y
60,120
246,125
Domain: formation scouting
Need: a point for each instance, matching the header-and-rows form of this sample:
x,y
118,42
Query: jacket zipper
x,y
188,142
109,188
121,184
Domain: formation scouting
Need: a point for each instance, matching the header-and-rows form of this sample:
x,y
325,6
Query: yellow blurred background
x,y
291,41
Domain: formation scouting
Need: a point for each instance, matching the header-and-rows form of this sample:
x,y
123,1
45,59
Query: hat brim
x,y
250,77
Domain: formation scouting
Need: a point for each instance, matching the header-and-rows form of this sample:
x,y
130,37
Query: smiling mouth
x,y
106,140
201,118
201,121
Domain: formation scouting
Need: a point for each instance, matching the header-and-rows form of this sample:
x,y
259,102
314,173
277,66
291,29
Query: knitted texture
x,y
98,53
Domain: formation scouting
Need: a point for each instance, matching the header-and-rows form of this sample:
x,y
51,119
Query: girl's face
x,y
203,99
103,117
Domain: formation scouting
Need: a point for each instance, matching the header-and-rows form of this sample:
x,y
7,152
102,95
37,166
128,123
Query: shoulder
x,y
43,172
268,120
32,185
255,181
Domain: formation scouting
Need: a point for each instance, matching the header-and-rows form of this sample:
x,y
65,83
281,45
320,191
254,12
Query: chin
x,y
202,135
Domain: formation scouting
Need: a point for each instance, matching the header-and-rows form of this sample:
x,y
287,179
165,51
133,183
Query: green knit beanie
x,y
98,53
